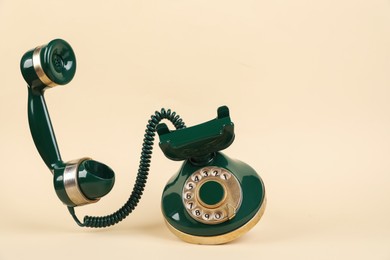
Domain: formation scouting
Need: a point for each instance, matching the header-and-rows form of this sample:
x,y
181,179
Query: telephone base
x,y
220,239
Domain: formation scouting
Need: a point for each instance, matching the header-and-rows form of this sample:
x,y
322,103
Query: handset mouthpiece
x,y
83,181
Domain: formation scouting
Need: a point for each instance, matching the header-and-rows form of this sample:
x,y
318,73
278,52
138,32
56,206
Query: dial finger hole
x,y
197,212
188,195
215,172
218,215
205,173
206,216
190,186
196,177
190,205
225,176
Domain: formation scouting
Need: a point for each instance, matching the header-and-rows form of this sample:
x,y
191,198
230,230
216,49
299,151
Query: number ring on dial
x,y
221,190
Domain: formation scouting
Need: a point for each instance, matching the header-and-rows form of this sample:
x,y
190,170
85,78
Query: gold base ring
x,y
220,239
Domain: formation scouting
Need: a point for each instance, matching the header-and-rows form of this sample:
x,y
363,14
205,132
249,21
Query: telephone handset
x,y
213,199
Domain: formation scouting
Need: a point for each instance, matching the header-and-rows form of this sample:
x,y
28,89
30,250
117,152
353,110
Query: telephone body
x,y
212,199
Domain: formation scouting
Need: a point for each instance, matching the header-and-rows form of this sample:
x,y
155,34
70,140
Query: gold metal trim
x,y
38,68
71,185
220,239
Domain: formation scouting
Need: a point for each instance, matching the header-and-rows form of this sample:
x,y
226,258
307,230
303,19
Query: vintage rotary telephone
x,y
213,199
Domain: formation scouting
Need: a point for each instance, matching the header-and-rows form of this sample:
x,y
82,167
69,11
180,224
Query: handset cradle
x,y
198,142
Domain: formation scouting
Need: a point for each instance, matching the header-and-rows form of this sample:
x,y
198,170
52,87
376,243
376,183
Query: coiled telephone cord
x,y
142,175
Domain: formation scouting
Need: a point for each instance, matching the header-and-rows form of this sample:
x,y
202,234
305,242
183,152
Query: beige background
x,y
308,85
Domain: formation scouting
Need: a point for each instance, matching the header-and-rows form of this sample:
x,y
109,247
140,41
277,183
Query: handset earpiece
x,y
76,182
49,65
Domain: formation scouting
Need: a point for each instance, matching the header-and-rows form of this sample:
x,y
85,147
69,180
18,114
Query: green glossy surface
x,y
42,130
58,61
59,64
253,197
211,192
95,179
200,141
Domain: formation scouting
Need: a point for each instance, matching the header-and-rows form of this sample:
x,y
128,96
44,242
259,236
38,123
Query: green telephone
x,y
212,199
